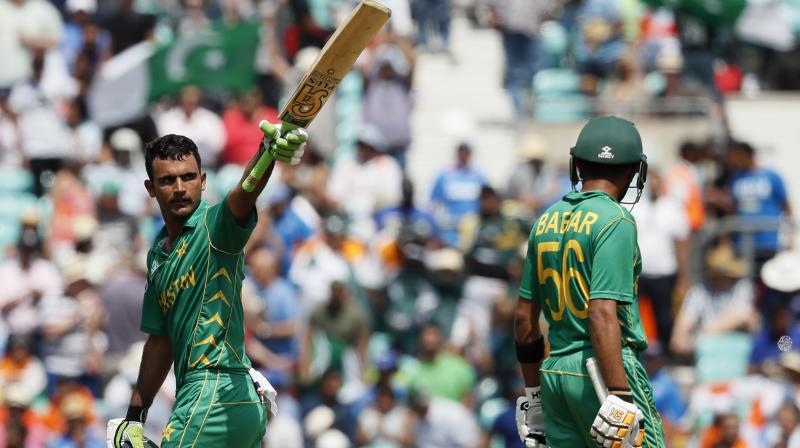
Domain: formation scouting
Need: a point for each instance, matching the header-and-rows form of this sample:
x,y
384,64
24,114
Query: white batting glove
x,y
618,424
265,390
530,419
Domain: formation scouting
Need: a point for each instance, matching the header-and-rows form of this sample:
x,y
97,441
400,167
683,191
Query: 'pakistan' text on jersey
x,y
194,291
583,248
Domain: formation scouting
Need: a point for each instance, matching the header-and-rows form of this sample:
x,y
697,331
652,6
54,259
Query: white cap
x,y
89,6
332,438
125,139
780,273
319,420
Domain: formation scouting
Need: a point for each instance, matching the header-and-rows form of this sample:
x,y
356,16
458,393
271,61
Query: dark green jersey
x,y
194,291
584,247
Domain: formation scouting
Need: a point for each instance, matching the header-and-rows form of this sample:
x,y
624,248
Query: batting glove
x,y
530,419
287,148
618,424
265,390
122,433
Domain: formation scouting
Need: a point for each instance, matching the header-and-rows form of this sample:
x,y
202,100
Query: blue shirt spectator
x,y
289,226
455,194
758,193
766,346
505,426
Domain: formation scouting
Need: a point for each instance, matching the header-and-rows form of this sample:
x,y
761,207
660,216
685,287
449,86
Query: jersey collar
x,y
191,223
575,196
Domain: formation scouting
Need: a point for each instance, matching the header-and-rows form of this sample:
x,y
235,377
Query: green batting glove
x,y
288,148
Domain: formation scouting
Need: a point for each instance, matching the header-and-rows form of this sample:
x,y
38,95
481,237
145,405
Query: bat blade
x,y
333,62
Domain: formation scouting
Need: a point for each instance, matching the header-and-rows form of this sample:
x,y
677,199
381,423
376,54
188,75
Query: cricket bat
x,y
334,61
597,379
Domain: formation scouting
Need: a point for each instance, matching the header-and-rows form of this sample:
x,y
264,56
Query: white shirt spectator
x,y
703,305
202,126
284,431
43,133
314,267
64,355
362,189
447,424
660,224
34,19
20,284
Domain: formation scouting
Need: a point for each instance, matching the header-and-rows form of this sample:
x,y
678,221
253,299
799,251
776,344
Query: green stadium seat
x,y
722,357
13,180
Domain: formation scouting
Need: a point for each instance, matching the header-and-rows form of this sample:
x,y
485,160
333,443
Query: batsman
x,y
581,271
192,309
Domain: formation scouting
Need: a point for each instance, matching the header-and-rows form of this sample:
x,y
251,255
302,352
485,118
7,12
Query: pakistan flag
x,y
220,57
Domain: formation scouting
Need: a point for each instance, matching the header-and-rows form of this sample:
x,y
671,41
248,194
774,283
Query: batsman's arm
x,y
156,361
529,340
605,333
280,144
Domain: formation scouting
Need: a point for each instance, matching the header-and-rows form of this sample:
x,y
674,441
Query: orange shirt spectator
x,y
241,128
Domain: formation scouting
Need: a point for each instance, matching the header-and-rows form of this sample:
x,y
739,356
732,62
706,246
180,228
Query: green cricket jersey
x,y
584,247
194,292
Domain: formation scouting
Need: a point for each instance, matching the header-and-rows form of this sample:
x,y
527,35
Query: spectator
x,y
370,182
69,326
759,194
121,296
43,134
122,168
664,243
203,126
504,424
127,27
387,95
766,351
442,423
289,224
20,427
76,408
518,22
327,397
784,432
600,43
684,184
432,15
27,277
723,433
241,119
533,182
442,374
344,325
279,298
455,194
27,27
86,137
20,367
321,260
386,423
722,303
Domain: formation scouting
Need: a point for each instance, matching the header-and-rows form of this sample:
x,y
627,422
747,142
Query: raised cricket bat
x,y
334,61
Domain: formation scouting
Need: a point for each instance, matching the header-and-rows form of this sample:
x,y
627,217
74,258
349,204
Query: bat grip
x,y
597,379
263,162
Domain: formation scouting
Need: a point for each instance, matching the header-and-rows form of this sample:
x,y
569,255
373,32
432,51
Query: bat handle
x,y
263,162
597,379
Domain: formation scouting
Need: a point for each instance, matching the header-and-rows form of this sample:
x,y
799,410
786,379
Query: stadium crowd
x,y
383,319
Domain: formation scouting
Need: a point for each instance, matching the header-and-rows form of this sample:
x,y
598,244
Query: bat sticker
x,y
310,98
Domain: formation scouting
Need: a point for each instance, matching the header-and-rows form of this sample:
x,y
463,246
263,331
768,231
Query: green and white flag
x,y
222,57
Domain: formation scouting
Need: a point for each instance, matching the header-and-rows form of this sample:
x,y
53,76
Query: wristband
x,y
530,352
624,393
136,414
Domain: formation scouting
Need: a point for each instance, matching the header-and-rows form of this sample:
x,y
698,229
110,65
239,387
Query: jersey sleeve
x,y
225,233
778,188
613,262
153,320
526,283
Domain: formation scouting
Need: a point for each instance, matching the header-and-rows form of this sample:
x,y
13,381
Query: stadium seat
x,y
14,180
554,43
722,357
557,96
